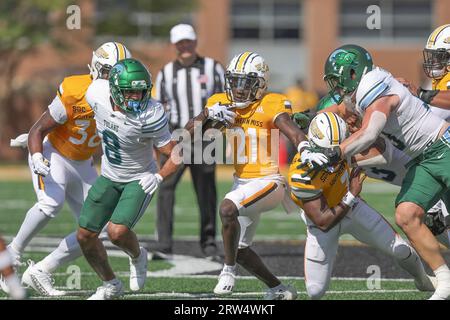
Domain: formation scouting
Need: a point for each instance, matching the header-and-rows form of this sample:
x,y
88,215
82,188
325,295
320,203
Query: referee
x,y
184,85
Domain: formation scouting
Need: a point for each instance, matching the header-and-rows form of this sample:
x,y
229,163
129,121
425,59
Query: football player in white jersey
x,y
394,171
129,124
61,144
436,64
386,105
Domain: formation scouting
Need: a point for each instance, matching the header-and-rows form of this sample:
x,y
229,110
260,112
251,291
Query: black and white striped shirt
x,y
186,89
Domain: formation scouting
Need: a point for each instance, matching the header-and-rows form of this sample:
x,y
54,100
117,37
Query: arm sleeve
x,y
57,110
370,134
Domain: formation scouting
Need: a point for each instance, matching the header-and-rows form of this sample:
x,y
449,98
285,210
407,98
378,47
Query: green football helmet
x,y
130,75
327,101
345,67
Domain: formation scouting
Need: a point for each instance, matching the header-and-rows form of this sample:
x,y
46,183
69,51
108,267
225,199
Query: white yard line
x,y
209,296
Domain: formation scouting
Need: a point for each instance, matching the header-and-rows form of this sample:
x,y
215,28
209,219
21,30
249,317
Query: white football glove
x,y
41,166
21,141
150,183
315,159
221,113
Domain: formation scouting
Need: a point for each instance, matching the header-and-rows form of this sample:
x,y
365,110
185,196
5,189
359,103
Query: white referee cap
x,y
182,32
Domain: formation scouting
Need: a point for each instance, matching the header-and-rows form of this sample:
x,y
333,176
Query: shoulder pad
x,y
218,98
157,118
73,88
372,86
99,89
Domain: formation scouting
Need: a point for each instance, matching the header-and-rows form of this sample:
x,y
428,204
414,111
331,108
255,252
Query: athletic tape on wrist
x,y
349,199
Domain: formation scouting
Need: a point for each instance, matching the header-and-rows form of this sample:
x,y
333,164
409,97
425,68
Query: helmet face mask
x,y
242,88
436,62
130,85
246,79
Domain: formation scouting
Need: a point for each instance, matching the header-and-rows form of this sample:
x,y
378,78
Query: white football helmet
x,y
436,55
246,79
327,131
105,57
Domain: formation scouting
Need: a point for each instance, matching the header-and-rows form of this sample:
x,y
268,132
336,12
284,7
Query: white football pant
x,y
367,226
253,197
69,181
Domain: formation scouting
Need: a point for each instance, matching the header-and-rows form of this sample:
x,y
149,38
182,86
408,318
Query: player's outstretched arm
x,y
436,98
289,128
200,118
325,217
169,166
39,130
373,122
440,99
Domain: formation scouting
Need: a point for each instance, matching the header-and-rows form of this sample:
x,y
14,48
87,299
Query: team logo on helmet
x,y
315,131
101,53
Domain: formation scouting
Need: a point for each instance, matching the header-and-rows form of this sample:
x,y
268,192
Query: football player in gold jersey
x,y
61,144
436,56
331,206
255,118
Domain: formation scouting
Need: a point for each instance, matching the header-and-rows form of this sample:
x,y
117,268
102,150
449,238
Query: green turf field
x,y
200,287
17,197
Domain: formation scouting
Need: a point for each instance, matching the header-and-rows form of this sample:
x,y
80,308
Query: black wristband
x,y
426,95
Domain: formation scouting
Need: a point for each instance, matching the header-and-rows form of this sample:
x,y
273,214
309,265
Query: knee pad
x,y
50,209
315,291
401,249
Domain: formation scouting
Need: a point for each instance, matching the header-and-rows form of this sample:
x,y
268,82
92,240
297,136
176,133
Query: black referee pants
x,y
204,179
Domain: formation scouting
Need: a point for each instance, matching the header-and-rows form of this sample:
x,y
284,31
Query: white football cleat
x,y
226,283
41,281
281,292
108,291
138,270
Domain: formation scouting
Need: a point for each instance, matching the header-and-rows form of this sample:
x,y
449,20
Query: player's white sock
x,y
68,250
34,221
228,268
114,282
442,273
443,283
